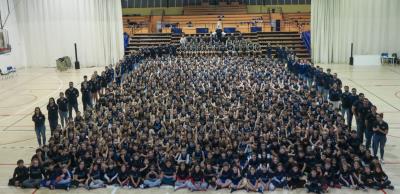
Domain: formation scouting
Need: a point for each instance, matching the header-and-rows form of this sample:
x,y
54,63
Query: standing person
x,y
38,118
345,98
353,99
334,96
62,104
72,95
357,109
52,116
370,121
86,96
381,129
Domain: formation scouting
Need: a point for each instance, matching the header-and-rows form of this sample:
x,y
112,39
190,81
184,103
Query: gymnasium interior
x,y
191,81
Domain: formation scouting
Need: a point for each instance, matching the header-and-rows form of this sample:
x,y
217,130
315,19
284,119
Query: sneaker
x,y
233,190
67,188
141,186
390,187
382,161
260,190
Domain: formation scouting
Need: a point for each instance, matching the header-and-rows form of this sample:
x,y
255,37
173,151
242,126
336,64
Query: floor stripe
x,y
383,191
383,100
114,190
61,83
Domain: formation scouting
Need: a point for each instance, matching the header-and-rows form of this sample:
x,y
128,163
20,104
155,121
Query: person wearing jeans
x,y
36,175
52,110
72,95
39,119
380,129
62,103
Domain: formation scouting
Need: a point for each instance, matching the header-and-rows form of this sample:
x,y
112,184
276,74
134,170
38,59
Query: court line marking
x,y
61,83
114,190
383,100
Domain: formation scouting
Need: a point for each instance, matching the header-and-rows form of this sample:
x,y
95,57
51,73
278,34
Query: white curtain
x,y
372,25
49,29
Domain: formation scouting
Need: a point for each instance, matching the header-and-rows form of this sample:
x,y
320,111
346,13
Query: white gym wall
x,y
372,25
49,29
16,57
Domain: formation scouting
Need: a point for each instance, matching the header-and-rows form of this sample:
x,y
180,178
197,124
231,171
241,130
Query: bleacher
x,y
291,40
242,23
147,39
139,24
234,9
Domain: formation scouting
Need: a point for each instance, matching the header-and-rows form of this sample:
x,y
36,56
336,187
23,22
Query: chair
x,y
384,57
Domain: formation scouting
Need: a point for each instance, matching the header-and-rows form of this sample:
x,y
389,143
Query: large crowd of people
x,y
210,120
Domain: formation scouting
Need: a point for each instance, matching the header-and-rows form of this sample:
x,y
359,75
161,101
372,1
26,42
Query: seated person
x,y
123,176
182,176
80,175
314,183
35,177
279,179
152,178
94,181
20,174
64,178
197,180
224,177
168,174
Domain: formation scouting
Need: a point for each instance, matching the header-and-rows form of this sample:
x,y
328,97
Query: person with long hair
x,y
52,110
38,118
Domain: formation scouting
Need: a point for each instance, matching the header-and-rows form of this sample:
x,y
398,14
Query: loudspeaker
x,y
351,55
77,65
278,25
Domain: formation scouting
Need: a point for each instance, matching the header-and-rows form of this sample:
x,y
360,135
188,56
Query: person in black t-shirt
x,y
296,178
52,109
36,174
152,178
72,95
197,181
314,182
238,182
62,104
86,96
345,98
224,178
210,175
135,177
80,175
253,181
380,129
182,176
38,118
111,174
370,120
95,178
123,176
381,179
20,174
168,173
